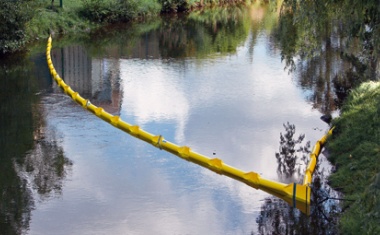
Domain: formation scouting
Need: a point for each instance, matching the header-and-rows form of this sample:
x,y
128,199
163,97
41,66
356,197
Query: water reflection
x,y
321,52
95,79
32,163
213,81
276,216
200,34
45,167
16,128
292,156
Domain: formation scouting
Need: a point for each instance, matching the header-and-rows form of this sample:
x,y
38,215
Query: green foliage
x,y
302,26
355,150
58,21
173,5
225,28
356,24
13,17
109,11
363,22
148,7
27,20
212,32
187,5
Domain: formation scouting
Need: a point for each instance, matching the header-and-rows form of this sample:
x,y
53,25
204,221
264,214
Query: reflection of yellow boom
x,y
295,194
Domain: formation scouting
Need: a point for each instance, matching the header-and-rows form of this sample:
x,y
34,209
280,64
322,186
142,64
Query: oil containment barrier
x,y
297,195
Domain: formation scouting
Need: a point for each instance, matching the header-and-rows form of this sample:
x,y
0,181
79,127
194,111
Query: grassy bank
x,y
355,150
28,20
85,15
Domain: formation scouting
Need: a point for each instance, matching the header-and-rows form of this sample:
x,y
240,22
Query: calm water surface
x,y
218,87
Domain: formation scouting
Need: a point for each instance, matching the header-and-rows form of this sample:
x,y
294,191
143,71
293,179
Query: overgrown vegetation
x,y
27,20
111,11
186,5
355,150
55,20
13,17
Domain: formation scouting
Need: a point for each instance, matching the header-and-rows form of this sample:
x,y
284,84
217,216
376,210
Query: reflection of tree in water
x,y
329,47
288,159
45,166
211,31
315,70
277,217
30,160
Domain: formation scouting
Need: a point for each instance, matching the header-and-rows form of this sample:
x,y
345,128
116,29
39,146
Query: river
x,y
212,80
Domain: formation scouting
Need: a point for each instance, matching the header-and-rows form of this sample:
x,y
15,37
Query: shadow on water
x,y
32,161
276,216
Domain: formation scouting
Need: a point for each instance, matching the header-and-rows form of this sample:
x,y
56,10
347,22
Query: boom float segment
x,y
314,157
295,194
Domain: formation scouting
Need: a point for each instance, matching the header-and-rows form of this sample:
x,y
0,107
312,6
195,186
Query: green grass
x,y
54,19
70,18
78,16
355,149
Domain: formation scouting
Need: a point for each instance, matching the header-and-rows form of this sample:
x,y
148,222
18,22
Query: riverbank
x,y
26,22
355,151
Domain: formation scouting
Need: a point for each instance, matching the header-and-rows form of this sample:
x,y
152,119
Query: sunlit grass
x,y
355,149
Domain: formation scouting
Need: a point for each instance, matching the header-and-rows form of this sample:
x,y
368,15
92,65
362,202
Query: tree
x,y
13,18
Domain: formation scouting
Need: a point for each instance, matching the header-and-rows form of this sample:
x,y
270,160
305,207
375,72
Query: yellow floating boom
x,y
296,195
314,157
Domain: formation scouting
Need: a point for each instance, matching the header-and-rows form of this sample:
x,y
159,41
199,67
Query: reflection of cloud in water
x,y
121,185
135,198
237,117
152,93
221,106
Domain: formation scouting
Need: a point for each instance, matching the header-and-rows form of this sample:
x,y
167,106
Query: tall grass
x,y
355,150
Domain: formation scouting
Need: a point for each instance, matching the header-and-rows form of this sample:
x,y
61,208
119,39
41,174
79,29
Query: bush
x,y
13,17
109,11
173,5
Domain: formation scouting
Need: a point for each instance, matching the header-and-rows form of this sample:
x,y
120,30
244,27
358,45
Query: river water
x,y
211,81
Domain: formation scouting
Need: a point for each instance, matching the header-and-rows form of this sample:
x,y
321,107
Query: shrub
x,y
108,11
13,17
173,5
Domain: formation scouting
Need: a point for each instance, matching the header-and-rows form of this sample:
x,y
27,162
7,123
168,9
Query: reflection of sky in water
x,y
233,107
